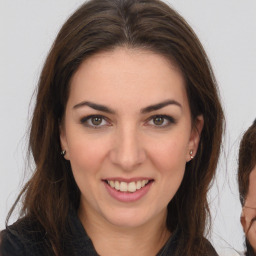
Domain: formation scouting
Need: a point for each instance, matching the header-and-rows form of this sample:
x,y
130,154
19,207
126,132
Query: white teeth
x,y
131,187
138,185
112,183
117,185
123,186
127,187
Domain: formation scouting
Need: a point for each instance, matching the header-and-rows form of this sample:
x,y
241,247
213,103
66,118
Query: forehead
x,y
133,74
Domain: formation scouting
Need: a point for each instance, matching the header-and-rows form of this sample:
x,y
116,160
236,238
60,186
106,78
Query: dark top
x,y
20,239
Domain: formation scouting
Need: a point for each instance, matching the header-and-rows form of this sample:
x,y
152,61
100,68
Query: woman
x,y
247,186
125,135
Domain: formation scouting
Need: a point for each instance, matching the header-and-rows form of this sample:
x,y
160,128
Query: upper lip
x,y
127,179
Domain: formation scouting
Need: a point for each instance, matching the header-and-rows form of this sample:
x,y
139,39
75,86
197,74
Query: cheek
x,y
169,161
169,154
86,154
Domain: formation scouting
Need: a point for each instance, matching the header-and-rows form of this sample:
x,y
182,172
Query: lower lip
x,y
127,196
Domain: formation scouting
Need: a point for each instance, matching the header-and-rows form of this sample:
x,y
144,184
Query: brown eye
x,y
96,120
161,121
158,120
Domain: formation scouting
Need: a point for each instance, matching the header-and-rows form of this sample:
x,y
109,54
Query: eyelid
x,y
85,119
171,120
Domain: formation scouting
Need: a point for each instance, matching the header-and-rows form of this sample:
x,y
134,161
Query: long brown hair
x,y
100,26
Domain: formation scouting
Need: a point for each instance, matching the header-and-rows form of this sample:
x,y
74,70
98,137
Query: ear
x,y
242,220
63,140
195,135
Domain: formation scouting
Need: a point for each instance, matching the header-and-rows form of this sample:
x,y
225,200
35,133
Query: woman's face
x,y
249,210
127,133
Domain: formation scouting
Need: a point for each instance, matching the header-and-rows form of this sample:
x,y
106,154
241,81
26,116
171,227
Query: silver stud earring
x,y
191,154
63,152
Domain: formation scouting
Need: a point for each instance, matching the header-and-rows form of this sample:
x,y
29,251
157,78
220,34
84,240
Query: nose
x,y
127,151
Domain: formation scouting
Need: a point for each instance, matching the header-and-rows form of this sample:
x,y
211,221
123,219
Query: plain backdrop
x,y
226,28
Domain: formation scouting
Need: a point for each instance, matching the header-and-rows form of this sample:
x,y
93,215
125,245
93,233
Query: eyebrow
x,y
160,105
148,109
95,106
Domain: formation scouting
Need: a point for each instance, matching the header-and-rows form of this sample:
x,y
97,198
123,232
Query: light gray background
x,y
227,29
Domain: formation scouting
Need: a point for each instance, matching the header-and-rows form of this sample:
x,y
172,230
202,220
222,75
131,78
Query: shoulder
x,y
174,247
10,244
25,237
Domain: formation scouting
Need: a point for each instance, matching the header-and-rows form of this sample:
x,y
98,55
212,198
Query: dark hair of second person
x,y
246,182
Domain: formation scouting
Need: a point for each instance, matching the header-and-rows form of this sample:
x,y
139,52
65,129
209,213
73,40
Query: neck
x,y
109,239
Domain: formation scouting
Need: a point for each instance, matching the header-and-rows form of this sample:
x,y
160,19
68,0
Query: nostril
x,y
127,160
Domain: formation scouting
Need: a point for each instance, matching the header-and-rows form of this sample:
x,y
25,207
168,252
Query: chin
x,y
129,218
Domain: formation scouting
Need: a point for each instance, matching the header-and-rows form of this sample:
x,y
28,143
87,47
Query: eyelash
x,y
85,121
169,119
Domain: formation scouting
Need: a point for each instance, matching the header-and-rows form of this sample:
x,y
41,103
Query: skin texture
x,y
128,144
249,211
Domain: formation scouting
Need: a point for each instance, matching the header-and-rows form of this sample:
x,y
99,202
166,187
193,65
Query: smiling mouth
x,y
128,186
